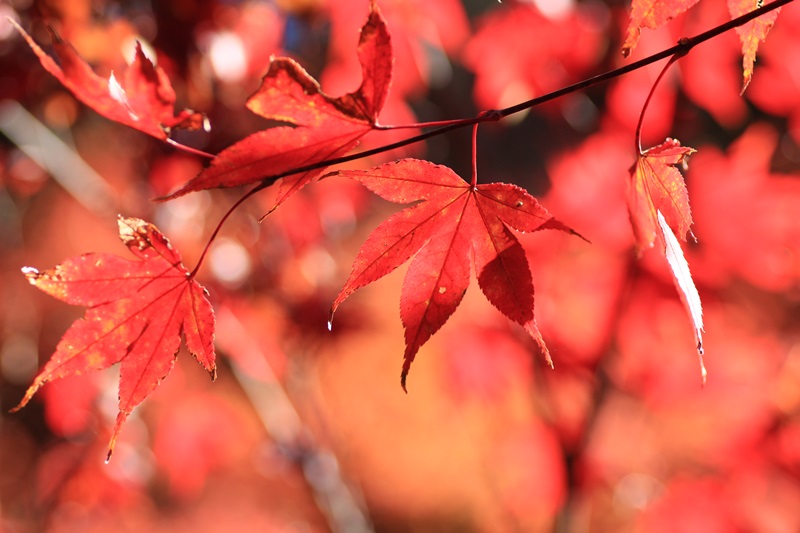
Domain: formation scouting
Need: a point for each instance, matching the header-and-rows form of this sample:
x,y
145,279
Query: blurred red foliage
x,y
307,430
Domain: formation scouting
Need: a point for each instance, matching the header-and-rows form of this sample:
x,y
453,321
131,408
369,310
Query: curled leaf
x,y
686,287
142,97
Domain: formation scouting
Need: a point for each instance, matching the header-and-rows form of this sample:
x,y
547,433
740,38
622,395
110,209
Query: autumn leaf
x,y
453,222
687,290
656,185
658,204
752,33
137,312
761,248
322,128
651,14
142,97
511,67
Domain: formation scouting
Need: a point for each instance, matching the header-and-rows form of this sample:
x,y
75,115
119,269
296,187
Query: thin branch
x,y
682,48
441,127
228,213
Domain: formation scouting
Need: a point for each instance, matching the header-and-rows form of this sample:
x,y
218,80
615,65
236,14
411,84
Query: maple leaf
x,y
454,221
142,97
651,14
752,33
682,277
323,127
658,203
137,312
656,185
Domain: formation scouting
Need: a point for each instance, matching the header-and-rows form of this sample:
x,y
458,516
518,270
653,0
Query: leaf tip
x,y
534,332
555,224
15,23
745,83
37,384
122,416
331,313
703,371
167,197
31,273
631,39
403,376
576,234
268,213
213,373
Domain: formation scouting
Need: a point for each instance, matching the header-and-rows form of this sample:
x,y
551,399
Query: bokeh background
x,y
308,430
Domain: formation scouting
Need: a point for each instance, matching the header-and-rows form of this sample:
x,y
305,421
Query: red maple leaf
x,y
142,97
658,203
651,14
323,127
656,185
777,89
751,33
454,221
137,312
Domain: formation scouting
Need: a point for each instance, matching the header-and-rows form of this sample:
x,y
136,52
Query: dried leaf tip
x,y
703,371
31,273
330,317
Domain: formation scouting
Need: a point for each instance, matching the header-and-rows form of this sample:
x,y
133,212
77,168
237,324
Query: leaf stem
x,y
227,214
649,97
474,156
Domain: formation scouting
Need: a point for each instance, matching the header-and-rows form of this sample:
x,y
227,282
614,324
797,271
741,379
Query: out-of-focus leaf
x,y
752,33
651,14
141,97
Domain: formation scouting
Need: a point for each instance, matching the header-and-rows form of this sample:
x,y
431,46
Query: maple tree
x,y
139,310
